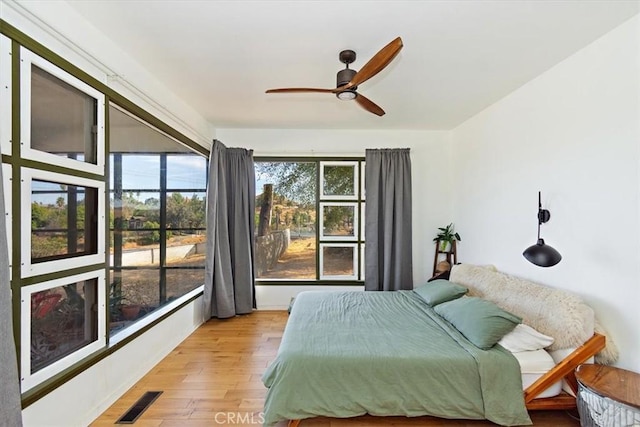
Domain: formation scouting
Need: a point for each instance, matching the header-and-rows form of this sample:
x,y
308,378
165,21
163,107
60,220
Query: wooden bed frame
x,y
563,370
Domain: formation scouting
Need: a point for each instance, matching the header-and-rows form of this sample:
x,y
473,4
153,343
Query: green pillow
x,y
480,321
439,291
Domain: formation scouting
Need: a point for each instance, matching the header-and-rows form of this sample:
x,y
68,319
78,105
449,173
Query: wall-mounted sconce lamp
x,y
542,254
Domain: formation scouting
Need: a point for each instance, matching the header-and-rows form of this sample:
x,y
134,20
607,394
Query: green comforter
x,y
345,354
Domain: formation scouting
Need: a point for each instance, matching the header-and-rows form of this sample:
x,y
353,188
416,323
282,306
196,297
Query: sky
x,y
142,172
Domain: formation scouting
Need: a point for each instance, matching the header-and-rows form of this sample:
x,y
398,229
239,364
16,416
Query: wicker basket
x,y
600,411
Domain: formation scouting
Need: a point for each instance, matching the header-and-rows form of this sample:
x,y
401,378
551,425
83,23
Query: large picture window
x,y
308,216
157,220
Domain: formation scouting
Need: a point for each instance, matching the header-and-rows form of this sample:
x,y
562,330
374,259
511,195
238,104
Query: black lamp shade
x,y
542,255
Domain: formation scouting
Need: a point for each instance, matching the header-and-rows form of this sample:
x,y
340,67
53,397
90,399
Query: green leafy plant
x,y
116,299
119,307
446,235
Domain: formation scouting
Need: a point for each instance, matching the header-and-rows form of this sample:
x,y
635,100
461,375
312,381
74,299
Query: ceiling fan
x,y
348,80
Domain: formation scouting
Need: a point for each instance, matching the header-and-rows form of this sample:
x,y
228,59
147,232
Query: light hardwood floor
x,y
213,378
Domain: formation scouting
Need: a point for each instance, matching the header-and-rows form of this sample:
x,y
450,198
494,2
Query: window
x,y
5,96
339,221
60,226
66,323
6,177
73,107
63,117
66,225
90,252
308,220
156,220
61,214
339,261
5,132
339,180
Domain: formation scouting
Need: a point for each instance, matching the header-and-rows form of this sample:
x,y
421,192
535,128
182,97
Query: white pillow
x,y
525,338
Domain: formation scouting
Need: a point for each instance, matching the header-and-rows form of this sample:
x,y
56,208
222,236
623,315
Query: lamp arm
x,y
540,214
539,200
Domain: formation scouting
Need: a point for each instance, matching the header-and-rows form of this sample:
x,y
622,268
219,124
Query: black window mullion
x,y
72,219
318,213
163,229
118,224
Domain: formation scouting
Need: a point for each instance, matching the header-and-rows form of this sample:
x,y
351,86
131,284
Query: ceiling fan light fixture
x,y
348,80
347,95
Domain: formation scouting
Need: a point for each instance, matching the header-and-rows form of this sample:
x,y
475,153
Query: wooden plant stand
x,y
451,256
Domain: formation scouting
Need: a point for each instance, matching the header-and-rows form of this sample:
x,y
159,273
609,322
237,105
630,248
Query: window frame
x,y
30,380
362,262
356,221
6,115
8,200
358,240
29,268
343,163
353,277
28,59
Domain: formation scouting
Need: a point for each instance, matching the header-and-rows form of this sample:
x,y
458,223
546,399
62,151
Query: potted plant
x,y
119,307
447,235
130,311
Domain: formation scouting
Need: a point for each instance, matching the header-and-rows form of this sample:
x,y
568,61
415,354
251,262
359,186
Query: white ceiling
x,y
458,58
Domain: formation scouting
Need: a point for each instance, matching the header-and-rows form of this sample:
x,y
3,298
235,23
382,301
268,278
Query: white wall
x,y
60,28
572,133
430,153
79,401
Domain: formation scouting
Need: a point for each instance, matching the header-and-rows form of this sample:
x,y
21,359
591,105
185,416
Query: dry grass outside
x,y
299,262
140,286
190,239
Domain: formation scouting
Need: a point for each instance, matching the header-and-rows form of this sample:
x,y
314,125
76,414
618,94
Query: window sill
x,y
319,283
117,342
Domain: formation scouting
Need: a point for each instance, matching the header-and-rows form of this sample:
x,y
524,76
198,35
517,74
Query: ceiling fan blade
x,y
369,105
376,64
299,89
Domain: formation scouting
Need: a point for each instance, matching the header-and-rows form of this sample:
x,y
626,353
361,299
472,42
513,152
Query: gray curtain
x,y
10,409
229,285
388,264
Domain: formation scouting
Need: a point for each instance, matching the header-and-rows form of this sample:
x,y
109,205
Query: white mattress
x,y
533,365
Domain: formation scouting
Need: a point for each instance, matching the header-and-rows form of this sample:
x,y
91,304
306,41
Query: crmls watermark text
x,y
231,418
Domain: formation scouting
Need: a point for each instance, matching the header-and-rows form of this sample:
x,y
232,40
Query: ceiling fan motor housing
x,y
344,77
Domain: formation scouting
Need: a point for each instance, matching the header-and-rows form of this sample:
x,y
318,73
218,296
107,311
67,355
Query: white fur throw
x,y
554,312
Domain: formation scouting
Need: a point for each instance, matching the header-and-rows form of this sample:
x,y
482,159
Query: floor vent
x,y
139,407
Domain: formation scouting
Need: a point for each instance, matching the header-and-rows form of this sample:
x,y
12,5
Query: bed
x,y
346,354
